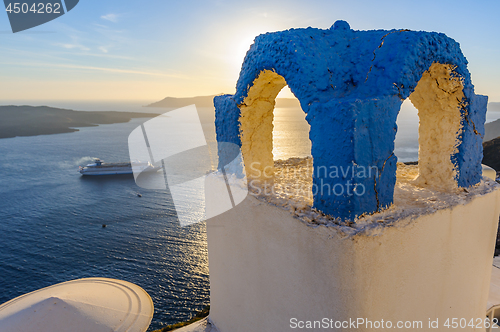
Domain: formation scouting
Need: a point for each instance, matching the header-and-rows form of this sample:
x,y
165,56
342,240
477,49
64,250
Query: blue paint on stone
x,y
471,146
351,85
227,126
341,25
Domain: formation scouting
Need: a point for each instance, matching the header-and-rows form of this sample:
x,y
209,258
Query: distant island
x,y
491,140
491,153
43,120
208,101
173,102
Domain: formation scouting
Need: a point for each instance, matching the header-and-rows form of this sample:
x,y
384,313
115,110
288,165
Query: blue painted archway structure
x,y
351,85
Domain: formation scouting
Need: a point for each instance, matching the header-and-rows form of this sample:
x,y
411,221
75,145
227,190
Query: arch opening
x,y
406,142
290,128
265,166
257,127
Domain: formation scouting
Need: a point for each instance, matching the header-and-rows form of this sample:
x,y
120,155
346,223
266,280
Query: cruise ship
x,y
101,168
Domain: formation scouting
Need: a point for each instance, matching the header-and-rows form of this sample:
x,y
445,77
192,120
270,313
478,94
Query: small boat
x,y
101,168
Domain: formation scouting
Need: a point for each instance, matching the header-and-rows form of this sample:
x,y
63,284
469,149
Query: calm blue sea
x,y
51,224
51,218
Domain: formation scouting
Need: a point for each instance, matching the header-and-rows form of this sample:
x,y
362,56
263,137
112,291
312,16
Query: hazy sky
x,y
150,49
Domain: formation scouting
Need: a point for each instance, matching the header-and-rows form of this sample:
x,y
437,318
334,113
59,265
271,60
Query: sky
x,y
151,49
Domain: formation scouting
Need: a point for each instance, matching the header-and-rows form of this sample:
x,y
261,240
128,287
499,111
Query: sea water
x,y
51,223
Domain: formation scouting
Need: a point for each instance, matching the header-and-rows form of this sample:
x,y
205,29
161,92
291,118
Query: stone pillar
x,y
352,149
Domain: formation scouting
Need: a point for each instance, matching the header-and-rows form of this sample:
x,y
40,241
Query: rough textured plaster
x,y
257,125
438,98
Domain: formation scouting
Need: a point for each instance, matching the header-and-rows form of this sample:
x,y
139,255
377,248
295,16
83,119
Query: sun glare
x,y
241,50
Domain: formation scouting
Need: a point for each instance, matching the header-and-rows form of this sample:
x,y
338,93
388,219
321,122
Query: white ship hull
x,y
100,168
